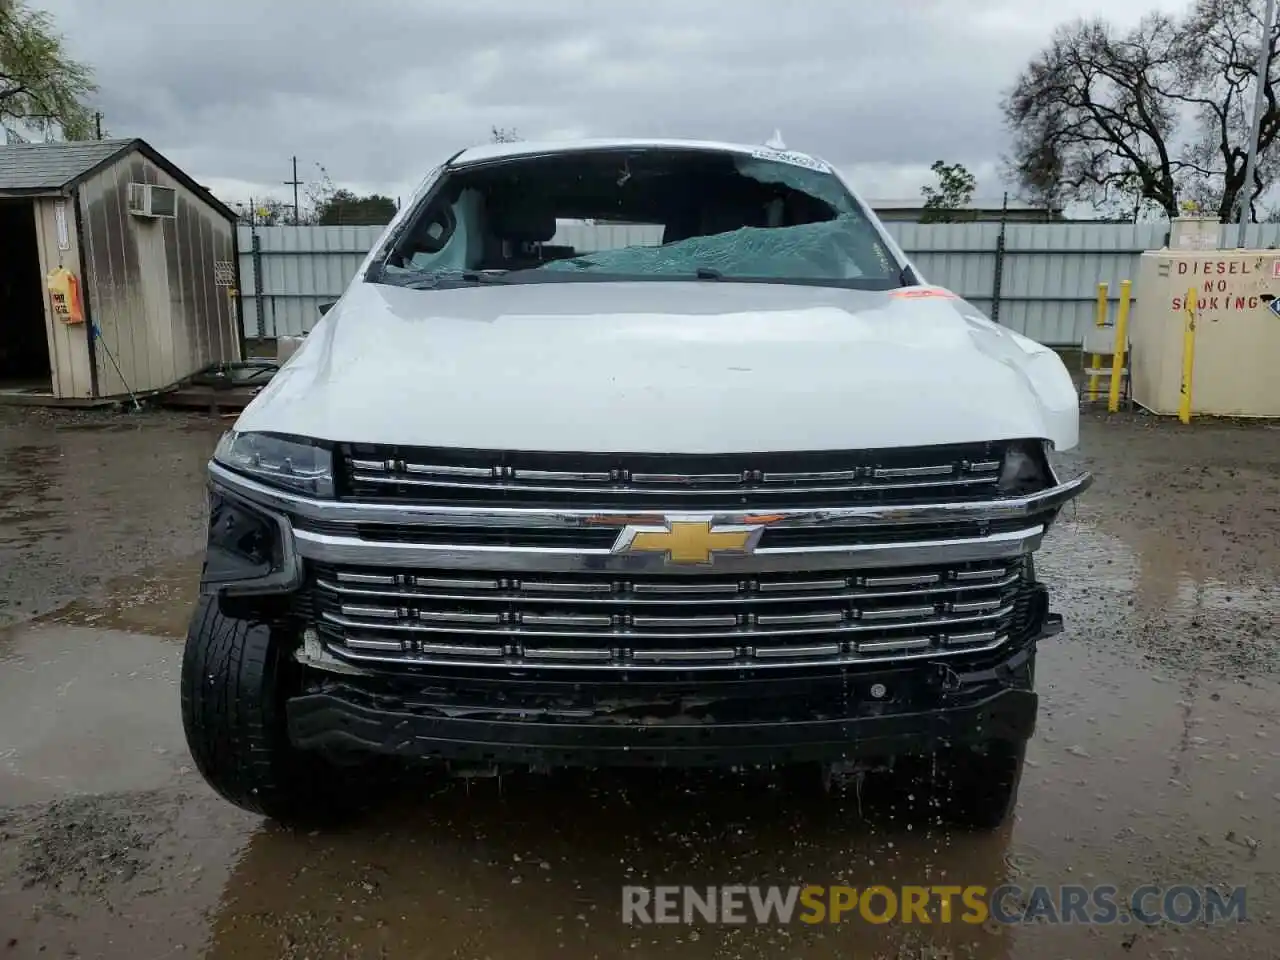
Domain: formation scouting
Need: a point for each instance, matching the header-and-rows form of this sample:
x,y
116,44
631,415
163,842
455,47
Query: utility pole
x,y
997,281
295,183
97,123
1259,98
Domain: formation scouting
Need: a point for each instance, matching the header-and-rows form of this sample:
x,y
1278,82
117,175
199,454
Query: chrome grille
x,y
438,617
941,473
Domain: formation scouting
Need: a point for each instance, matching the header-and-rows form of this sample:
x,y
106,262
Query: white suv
x,y
632,452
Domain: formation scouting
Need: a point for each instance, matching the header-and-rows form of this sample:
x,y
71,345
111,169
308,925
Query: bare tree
x,y
1086,111
318,192
1160,112
1217,82
504,135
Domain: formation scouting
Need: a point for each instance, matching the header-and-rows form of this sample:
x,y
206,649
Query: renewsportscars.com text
x,y
1180,904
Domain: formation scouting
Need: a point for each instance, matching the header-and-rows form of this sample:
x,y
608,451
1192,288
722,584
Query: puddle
x,y
90,497
86,711
156,602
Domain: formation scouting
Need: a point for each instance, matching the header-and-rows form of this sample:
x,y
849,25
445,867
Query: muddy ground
x,y
1157,758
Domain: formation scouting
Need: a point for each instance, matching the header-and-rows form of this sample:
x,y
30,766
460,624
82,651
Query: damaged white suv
x,y
632,452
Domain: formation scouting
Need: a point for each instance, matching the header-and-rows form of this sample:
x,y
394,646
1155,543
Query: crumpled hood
x,y
658,366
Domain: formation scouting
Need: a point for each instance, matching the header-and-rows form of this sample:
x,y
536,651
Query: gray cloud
x,y
380,90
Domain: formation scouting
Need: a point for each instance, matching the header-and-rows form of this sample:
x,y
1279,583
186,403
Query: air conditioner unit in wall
x,y
152,200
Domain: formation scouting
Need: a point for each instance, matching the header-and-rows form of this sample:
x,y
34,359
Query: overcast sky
x,y
379,90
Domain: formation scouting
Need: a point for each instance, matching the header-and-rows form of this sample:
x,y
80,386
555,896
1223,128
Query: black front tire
x,y
977,787
235,679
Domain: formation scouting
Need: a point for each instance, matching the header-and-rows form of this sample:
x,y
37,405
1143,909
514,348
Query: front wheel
x,y
977,787
235,679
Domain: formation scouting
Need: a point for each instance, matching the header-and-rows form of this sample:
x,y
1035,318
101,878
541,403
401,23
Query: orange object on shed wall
x,y
64,292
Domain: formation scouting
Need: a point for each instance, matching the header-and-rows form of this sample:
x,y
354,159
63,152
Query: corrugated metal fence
x,y
287,272
1045,275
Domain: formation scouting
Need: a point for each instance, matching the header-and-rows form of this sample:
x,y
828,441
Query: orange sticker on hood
x,y
921,293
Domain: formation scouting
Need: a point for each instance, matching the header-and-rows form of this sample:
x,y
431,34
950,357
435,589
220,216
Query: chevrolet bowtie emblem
x,y
689,540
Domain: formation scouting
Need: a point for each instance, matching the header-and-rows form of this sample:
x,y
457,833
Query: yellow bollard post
x,y
1188,355
1118,352
1099,320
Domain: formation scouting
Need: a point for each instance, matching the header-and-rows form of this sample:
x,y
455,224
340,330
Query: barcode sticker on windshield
x,y
791,157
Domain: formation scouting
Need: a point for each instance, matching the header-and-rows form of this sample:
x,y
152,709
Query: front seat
x,y
520,225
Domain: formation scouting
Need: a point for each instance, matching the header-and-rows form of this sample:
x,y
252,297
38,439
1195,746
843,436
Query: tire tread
x,y
233,719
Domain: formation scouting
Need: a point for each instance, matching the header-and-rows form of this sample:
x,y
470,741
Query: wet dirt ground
x,y
1156,760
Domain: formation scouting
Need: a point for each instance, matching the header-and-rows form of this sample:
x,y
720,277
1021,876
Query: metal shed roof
x,y
38,169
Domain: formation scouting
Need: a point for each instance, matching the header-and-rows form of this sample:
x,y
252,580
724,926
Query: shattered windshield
x,y
811,251
768,216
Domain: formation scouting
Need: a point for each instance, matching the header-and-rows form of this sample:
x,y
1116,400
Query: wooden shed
x,y
151,257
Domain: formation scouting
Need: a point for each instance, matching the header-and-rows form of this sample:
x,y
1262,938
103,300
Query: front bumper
x,y
737,724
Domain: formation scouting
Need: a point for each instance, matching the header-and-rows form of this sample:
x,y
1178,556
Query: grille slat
x,y
366,643
818,651
568,654
785,619
898,613
565,620
905,645
594,621
968,639
684,656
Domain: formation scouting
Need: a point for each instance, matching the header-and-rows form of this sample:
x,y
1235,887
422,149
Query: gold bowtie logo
x,y
689,540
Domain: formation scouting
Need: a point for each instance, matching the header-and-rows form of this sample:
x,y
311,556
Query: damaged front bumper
x,y
910,710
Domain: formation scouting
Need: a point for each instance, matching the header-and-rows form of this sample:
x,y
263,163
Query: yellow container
x,y
64,295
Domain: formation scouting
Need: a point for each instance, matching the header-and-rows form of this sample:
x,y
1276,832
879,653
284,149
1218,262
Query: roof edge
x,y
490,152
32,193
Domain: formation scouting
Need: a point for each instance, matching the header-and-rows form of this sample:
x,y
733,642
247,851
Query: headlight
x,y
1025,469
295,464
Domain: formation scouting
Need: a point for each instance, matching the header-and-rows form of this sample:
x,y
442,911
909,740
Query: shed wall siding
x,y
155,300
70,370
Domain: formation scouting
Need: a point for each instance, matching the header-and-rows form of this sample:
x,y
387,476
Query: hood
x,y
660,366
